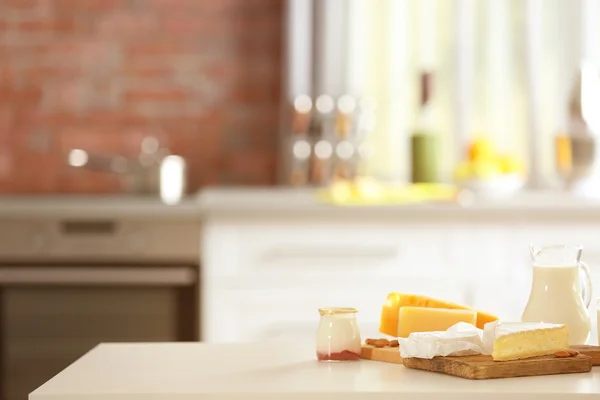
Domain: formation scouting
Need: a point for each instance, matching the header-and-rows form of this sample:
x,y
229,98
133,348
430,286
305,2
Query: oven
x,y
68,284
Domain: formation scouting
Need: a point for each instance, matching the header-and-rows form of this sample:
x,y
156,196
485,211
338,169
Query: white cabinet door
x,y
322,249
236,312
486,250
490,255
266,280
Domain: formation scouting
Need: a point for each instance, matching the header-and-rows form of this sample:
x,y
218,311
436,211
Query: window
x,y
501,67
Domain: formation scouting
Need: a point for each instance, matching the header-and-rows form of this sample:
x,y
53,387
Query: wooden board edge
x,y
493,372
381,354
591,351
572,365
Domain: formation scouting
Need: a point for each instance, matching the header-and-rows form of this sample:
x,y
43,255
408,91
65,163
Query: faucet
x,y
153,172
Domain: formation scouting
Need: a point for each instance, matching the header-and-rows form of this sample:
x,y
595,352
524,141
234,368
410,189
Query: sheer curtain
x,y
501,67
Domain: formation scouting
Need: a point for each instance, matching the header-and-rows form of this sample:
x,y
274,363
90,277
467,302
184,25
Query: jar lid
x,y
337,310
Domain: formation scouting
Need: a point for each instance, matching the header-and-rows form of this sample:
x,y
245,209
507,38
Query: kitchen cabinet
x,y
271,258
46,329
271,275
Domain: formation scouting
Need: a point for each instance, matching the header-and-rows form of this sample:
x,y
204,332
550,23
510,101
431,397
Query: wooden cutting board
x,y
483,367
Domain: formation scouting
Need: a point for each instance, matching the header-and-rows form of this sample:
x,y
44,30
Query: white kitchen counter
x,y
97,207
270,255
275,201
186,371
303,202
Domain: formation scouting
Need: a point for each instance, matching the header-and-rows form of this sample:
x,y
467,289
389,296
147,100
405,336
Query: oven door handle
x,y
97,276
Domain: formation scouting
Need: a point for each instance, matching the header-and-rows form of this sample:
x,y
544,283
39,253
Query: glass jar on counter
x,y
338,336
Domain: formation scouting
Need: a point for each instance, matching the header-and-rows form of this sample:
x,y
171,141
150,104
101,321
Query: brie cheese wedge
x,y
517,340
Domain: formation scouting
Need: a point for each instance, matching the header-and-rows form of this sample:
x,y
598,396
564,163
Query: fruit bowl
x,y
503,185
488,172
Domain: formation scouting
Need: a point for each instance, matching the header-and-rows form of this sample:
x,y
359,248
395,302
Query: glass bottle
x,y
425,141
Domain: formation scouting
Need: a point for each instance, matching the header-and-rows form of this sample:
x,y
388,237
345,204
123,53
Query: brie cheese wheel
x,y
517,340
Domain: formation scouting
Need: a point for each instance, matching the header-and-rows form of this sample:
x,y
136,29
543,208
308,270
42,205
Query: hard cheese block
x,y
518,340
422,319
391,308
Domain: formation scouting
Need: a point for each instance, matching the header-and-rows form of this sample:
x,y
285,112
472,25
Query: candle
x,y
464,33
427,34
358,41
399,30
533,38
299,48
498,122
329,39
590,9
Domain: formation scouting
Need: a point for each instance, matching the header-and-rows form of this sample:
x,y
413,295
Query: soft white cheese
x,y
460,339
523,339
496,329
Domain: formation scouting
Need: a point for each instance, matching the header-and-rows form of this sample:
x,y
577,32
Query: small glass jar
x,y
338,336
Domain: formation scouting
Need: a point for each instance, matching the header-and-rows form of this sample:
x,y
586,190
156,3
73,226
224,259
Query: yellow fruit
x,y
341,191
486,169
481,149
367,188
510,164
463,171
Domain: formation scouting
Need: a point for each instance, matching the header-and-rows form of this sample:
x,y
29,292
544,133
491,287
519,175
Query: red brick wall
x,y
203,76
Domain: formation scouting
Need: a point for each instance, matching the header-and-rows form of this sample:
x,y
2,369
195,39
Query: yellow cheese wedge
x,y
516,340
389,314
423,319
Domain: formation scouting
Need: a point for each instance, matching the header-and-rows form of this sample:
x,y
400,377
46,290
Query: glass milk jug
x,y
558,295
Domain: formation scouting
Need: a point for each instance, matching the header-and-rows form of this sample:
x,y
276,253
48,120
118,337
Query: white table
x,y
283,371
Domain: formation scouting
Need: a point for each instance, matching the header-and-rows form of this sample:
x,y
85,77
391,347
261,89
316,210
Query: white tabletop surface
x,y
282,371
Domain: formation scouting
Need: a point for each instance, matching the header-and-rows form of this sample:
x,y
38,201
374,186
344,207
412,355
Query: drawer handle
x,y
328,254
97,276
91,228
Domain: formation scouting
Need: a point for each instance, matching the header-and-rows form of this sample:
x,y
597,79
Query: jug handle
x,y
586,293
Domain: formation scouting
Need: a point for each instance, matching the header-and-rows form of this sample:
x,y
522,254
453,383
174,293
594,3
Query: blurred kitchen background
x,y
217,170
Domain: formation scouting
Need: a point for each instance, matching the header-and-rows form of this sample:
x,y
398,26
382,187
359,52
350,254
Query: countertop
x,y
275,201
279,371
97,207
303,202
